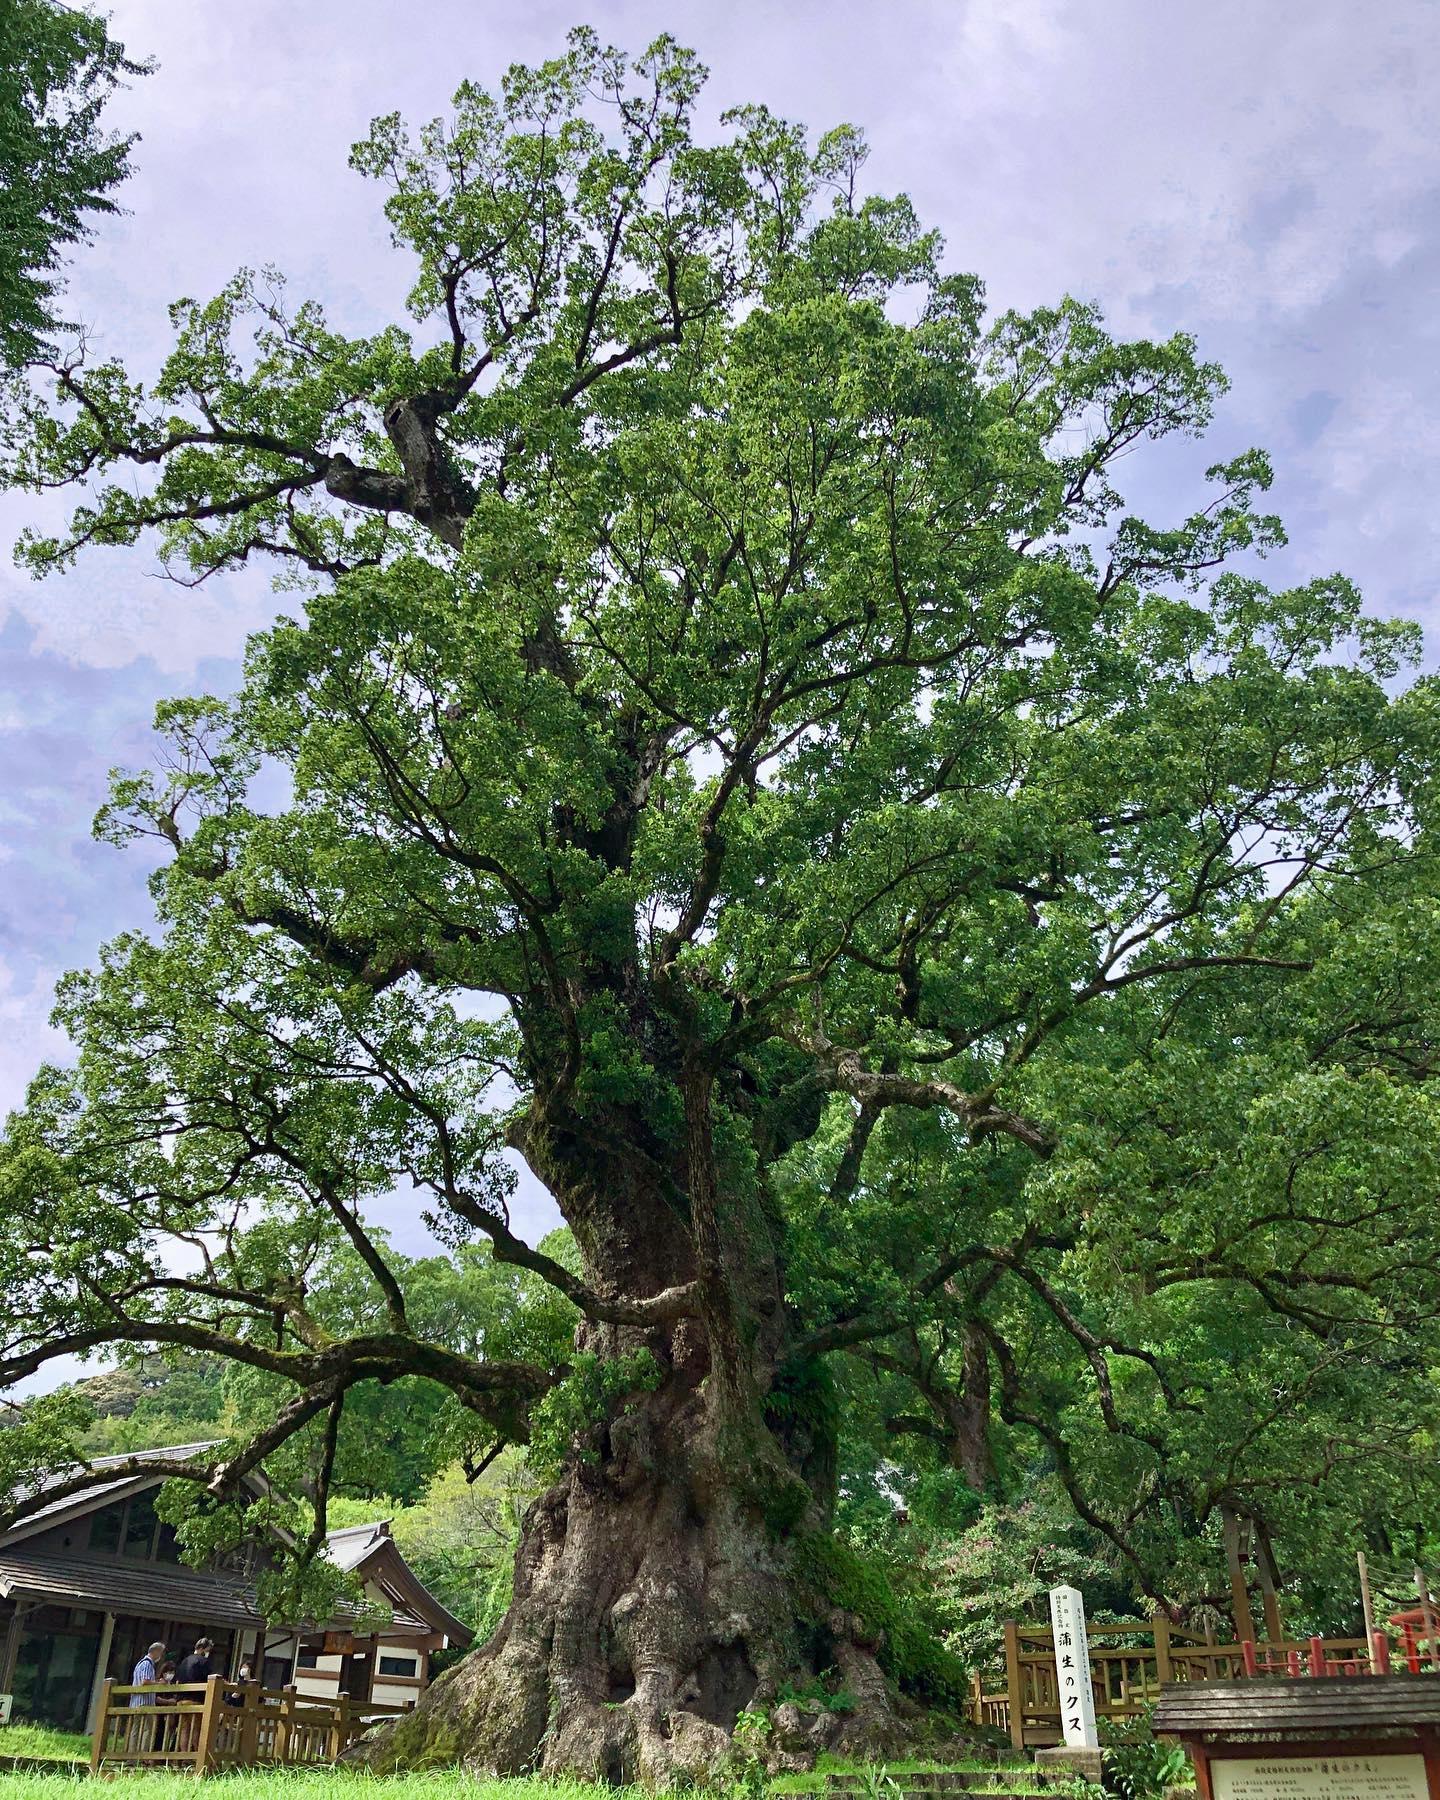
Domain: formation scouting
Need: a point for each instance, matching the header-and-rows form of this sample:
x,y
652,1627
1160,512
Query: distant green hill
x,y
154,1403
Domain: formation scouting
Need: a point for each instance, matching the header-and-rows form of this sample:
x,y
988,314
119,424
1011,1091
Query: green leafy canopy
x,y
738,748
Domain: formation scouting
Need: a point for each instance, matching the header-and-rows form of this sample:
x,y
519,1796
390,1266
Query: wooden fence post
x,y
209,1724
1162,1648
1269,1581
102,1724
1239,1593
282,1724
1367,1604
248,1747
340,1731
1012,1684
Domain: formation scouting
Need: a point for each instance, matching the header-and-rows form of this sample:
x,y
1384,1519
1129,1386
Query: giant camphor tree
x,y
739,757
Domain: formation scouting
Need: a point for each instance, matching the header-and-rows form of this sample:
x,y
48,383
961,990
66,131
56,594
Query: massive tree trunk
x,y
657,1587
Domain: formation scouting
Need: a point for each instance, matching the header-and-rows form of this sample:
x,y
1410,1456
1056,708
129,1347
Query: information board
x,y
1359,1776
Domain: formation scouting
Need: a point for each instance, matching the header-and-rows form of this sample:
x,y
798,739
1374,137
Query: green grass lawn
x,y
302,1784
25,1739
440,1784
333,1784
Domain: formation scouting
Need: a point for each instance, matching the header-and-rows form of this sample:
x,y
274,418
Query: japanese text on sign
x,y
1356,1777
1072,1668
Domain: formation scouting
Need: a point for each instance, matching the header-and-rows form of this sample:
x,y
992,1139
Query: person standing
x,y
196,1666
193,1668
166,1727
145,1673
140,1733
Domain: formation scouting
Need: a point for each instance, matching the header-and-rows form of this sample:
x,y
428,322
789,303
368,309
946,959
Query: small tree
x,y
744,761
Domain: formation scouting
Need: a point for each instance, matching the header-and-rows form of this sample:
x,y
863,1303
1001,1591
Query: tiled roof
x,y
152,1591
1317,1706
371,1552
186,1594
91,1496
351,1544
148,1589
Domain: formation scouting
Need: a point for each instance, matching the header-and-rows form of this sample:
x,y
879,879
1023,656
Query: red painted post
x,y
1247,1650
1427,1613
1412,1652
1379,1654
1293,1660
1317,1656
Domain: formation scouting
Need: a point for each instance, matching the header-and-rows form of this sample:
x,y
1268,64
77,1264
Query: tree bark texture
x,y
656,1594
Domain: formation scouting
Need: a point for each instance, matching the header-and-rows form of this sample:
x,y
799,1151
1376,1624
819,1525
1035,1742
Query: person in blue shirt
x,y
145,1671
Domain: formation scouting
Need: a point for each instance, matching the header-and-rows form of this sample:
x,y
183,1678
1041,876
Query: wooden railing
x,y
1128,1662
224,1724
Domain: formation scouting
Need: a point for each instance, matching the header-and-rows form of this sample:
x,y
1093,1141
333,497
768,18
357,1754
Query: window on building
x,y
397,1665
309,1657
106,1527
51,1679
131,1528
140,1528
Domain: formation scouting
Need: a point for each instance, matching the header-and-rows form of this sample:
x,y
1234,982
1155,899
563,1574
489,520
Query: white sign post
x,y
1072,1669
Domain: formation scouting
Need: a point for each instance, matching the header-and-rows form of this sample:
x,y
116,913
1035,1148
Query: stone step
x,y
907,1787
938,1781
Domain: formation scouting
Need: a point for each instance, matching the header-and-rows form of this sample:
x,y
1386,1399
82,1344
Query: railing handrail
x,y
229,1724
162,1687
240,1687
1021,1692
1045,1634
1193,1652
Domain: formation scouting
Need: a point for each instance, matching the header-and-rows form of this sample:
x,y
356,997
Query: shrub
x,y
1137,1765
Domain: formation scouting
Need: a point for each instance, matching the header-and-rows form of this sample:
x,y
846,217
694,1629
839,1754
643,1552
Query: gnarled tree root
x,y
638,1635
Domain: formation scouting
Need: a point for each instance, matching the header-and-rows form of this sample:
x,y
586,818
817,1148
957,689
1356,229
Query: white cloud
x,y
26,1035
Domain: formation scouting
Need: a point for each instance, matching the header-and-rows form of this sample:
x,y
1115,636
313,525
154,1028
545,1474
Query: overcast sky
x,y
1261,174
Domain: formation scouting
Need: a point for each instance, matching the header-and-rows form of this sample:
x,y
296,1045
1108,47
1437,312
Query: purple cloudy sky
x,y
1261,175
